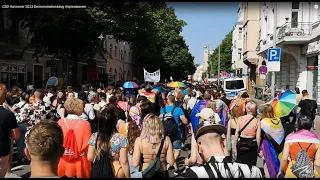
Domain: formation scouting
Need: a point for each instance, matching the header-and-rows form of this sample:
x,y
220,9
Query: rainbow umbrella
x,y
130,85
176,84
197,108
284,103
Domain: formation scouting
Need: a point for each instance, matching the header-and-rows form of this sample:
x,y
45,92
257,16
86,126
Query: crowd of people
x,y
139,133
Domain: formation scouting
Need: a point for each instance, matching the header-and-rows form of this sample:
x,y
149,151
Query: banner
x,y
151,77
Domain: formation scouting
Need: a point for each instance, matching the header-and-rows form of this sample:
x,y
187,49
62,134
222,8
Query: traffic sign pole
x,y
273,75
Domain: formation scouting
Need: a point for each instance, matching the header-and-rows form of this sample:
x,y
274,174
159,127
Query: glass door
x,y
312,76
38,72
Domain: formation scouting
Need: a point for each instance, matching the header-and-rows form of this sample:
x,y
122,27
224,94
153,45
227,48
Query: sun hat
x,y
210,127
206,114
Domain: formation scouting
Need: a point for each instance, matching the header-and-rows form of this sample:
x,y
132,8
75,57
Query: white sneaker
x,y
11,175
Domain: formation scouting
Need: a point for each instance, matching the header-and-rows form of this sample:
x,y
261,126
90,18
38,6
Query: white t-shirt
x,y
191,103
198,93
102,104
109,96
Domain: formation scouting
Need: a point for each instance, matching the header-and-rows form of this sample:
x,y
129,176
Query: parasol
x,y
52,81
130,85
176,84
197,108
284,103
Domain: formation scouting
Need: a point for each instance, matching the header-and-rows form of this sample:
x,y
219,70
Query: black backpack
x,y
169,123
102,168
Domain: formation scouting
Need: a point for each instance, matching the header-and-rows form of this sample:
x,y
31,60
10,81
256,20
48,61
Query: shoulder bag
x,y
155,164
244,145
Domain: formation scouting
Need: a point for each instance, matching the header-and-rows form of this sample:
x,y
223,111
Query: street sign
x,y
262,76
263,69
274,55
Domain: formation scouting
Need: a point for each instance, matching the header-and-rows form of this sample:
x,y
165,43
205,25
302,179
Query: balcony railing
x,y
295,29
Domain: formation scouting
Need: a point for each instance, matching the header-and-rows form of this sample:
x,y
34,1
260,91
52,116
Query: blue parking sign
x,y
274,54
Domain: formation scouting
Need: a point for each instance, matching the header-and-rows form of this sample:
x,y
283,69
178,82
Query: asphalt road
x,y
25,169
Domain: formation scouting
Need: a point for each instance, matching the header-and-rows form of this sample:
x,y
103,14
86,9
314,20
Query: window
x,y
260,34
294,19
240,33
245,36
115,51
110,50
129,56
121,54
295,5
235,84
240,53
101,70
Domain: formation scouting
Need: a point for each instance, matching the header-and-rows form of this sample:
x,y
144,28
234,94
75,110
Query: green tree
x,y
225,55
74,34
176,59
151,27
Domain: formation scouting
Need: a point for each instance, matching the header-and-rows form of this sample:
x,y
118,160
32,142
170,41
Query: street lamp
x,y
124,50
100,37
273,78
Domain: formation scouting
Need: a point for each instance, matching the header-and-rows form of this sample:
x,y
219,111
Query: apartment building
x,y
298,37
121,64
237,45
251,16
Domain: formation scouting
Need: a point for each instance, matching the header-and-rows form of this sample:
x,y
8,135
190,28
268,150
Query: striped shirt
x,y
216,168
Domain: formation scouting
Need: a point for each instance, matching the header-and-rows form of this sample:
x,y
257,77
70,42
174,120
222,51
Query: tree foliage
x,y
225,55
176,58
151,27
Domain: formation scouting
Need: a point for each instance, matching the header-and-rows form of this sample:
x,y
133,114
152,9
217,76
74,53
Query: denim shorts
x,y
177,145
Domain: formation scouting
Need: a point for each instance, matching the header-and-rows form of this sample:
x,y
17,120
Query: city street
x,y
23,170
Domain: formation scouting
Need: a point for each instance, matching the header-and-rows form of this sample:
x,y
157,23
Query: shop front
x,y
312,76
12,74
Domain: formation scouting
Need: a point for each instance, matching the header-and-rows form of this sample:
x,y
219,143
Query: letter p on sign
x,y
274,55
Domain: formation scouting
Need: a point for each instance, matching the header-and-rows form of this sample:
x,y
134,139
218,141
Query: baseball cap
x,y
206,114
209,126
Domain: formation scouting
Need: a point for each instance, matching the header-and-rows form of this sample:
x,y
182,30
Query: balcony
x,y
294,33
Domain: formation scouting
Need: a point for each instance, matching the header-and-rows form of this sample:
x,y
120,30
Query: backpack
x,y
71,152
169,123
303,168
101,167
155,164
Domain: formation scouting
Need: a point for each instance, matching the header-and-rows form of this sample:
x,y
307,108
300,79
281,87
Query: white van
x,y
232,86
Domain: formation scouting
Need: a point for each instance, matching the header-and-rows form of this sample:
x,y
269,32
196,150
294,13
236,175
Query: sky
x,y
207,24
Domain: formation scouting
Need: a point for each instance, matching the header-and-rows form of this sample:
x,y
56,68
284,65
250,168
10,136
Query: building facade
x,y
245,40
15,67
25,69
121,64
237,45
298,37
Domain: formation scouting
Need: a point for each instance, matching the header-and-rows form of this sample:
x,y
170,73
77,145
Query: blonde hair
x,y
74,106
152,129
212,105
